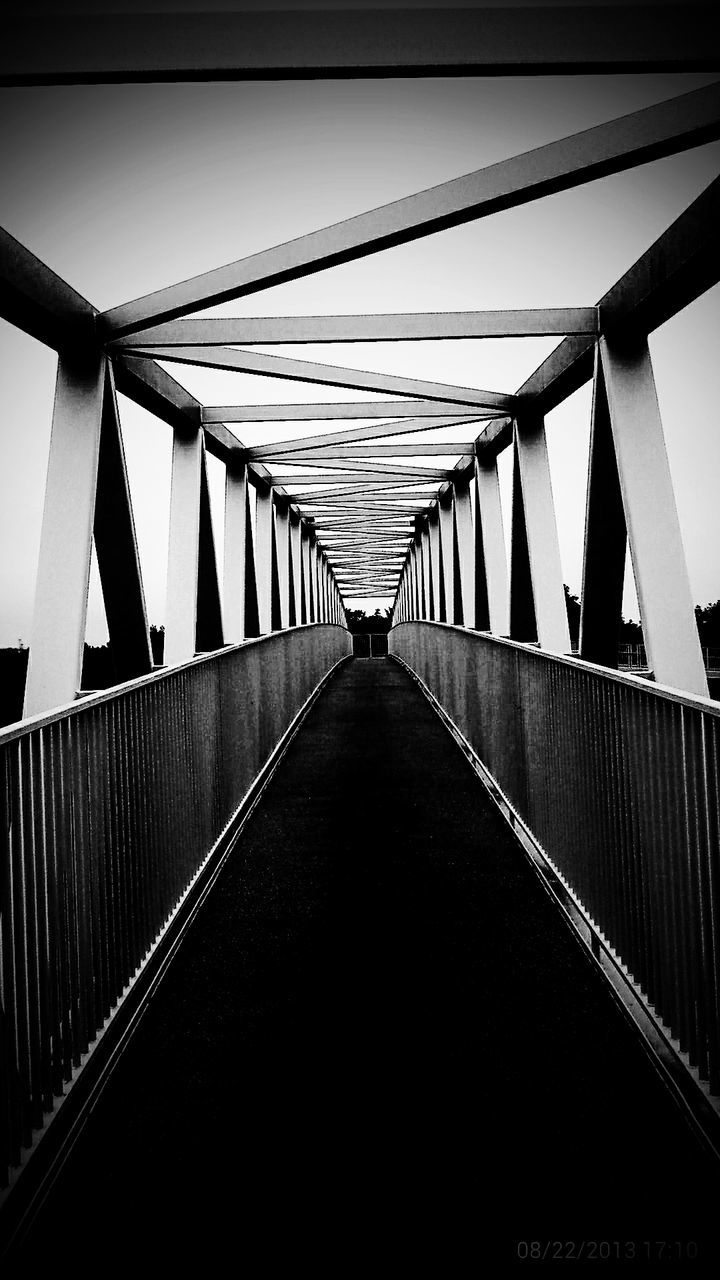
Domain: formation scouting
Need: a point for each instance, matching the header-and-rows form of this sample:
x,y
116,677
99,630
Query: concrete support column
x,y
605,542
305,552
438,593
447,546
465,538
541,530
234,585
264,557
296,567
492,598
57,635
184,546
661,578
117,550
282,550
427,575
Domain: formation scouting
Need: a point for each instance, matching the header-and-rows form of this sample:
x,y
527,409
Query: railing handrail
x,y
94,698
649,687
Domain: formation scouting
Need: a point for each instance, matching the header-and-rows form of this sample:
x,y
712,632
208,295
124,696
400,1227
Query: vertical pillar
x,y
264,557
541,529
58,629
465,537
184,546
296,568
209,630
427,575
424,573
318,581
282,548
522,607
436,565
308,614
418,576
661,577
447,544
492,598
117,550
234,586
605,538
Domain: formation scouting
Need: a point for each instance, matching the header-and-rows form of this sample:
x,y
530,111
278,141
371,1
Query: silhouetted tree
x,y
708,623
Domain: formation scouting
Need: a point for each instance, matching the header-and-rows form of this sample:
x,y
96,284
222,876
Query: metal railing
x,y
617,779
632,657
110,808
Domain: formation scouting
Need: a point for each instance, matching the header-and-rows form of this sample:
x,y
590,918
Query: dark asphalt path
x,y
379,1045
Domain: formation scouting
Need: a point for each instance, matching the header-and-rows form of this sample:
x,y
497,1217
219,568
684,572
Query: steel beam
x,y
407,327
350,493
357,409
58,628
369,467
36,300
362,479
111,47
661,578
269,366
681,265
318,457
378,431
650,134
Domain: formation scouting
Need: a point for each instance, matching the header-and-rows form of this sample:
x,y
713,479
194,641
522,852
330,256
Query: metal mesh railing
x,y
618,781
110,808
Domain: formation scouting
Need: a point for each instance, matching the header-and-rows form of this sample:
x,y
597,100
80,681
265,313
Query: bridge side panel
x,y
113,806
615,779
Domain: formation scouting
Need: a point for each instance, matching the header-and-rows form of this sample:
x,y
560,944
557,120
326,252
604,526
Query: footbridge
x,y
306,954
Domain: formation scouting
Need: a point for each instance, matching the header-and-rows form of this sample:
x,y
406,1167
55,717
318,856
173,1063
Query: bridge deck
x,y
378,1023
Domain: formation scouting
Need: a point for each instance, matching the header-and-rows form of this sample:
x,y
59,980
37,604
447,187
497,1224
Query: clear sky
x,y
125,189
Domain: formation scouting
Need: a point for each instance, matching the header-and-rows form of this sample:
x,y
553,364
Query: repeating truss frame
x,y
344,514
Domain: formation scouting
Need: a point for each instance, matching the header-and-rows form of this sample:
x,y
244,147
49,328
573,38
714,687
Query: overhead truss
x,y
315,518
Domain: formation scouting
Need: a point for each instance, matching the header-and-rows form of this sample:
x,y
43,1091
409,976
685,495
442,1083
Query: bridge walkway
x,y
379,1042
